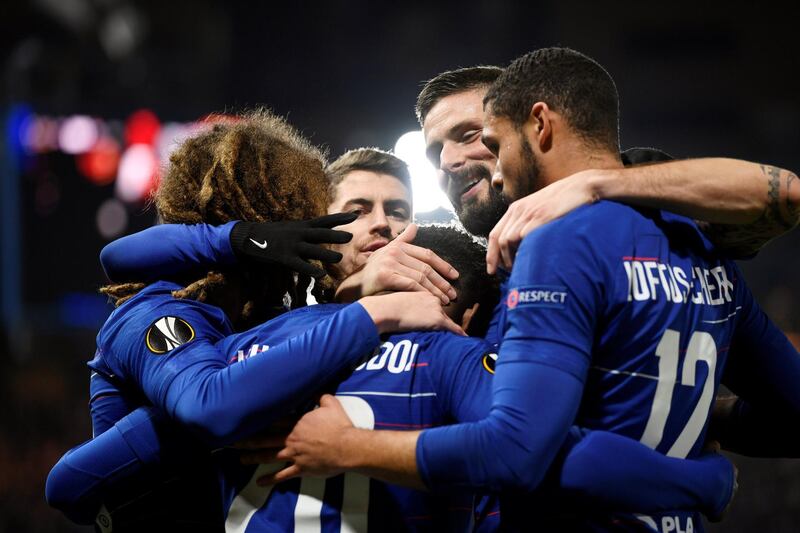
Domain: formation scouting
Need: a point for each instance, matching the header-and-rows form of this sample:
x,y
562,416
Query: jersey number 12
x,y
701,348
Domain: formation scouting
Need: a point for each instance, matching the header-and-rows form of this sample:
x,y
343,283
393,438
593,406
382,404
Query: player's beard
x,y
530,179
478,216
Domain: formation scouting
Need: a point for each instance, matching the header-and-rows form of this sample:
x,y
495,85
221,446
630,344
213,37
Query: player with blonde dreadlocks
x,y
160,349
257,169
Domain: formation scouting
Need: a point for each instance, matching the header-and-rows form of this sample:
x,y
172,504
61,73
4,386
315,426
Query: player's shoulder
x,y
445,347
607,214
154,308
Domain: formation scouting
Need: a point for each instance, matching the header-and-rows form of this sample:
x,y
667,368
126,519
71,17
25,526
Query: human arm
x,y
538,384
193,384
753,431
602,469
763,369
132,451
166,250
598,468
743,204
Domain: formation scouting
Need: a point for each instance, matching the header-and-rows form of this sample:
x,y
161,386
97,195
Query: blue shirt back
x,y
411,381
647,312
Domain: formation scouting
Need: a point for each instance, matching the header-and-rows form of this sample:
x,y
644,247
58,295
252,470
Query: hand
x,y
712,449
317,444
263,447
292,243
408,311
401,266
530,212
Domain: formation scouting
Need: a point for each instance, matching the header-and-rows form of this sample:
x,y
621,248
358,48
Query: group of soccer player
x,y
563,378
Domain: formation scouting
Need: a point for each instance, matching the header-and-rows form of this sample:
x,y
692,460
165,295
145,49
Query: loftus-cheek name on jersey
x,y
651,280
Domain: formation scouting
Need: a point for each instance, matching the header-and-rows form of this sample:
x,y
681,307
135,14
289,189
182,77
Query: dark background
x,y
694,79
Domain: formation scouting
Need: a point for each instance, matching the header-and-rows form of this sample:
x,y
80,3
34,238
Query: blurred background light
x,y
112,219
40,134
410,147
17,121
137,172
142,127
99,165
170,136
77,134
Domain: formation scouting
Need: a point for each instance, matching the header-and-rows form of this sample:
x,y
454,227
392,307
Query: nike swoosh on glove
x,y
292,243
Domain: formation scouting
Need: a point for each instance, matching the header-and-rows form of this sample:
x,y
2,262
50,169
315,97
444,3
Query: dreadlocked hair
x,y
256,168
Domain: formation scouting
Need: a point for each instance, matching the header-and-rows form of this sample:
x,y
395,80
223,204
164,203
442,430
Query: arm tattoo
x,y
780,215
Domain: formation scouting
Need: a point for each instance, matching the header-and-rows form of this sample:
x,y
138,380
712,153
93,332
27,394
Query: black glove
x,y
292,243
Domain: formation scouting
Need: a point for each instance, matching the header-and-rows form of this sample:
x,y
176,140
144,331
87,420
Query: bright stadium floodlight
x,y
410,147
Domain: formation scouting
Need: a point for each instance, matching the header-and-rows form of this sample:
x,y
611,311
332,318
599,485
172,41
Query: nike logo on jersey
x,y
167,333
652,280
262,245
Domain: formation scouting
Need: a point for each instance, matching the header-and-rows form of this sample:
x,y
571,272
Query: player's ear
x,y
539,126
466,318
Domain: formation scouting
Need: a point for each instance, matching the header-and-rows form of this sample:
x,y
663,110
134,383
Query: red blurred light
x,y
142,127
99,165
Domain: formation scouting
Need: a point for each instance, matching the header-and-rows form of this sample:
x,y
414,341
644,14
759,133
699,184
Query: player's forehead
x,y
496,127
452,113
374,187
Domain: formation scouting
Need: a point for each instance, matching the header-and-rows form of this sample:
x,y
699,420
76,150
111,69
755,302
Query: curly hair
x,y
570,82
256,168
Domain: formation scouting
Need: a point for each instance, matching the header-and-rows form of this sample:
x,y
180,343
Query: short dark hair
x,y
453,82
571,83
466,255
370,159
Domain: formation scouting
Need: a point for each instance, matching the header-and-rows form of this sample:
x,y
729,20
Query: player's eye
x,y
470,136
401,214
360,211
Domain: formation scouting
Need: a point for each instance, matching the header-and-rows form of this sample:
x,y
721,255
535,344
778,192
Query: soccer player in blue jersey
x,y
157,347
414,380
623,318
132,427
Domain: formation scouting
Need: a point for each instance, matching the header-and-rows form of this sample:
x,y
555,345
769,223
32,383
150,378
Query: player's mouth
x,y
470,190
375,245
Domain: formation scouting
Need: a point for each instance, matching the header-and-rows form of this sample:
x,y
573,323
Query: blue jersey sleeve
x,y
193,383
556,293
91,473
461,369
610,472
163,251
601,469
107,404
762,367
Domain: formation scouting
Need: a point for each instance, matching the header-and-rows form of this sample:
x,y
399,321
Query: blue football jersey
x,y
411,381
648,311
163,349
